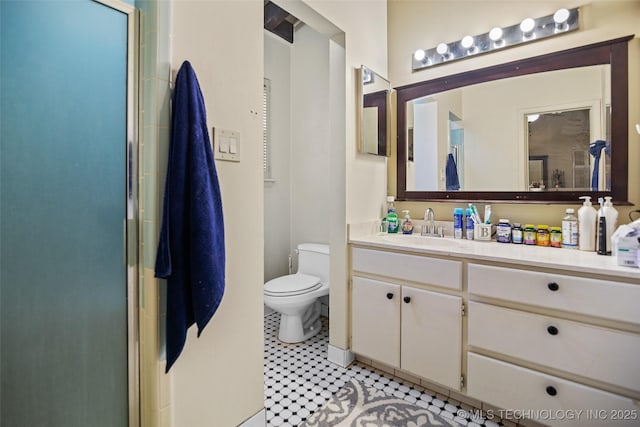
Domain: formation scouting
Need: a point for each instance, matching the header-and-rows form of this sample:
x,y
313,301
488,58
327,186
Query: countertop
x,y
536,256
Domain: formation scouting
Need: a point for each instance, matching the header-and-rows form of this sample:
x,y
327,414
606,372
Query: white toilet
x,y
296,296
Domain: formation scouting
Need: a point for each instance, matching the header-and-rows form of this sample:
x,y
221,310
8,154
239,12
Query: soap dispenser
x,y
407,224
587,225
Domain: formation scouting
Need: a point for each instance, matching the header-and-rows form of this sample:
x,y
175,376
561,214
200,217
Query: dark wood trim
x,y
275,20
614,52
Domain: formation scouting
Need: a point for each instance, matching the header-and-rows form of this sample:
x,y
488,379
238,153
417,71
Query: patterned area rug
x,y
356,405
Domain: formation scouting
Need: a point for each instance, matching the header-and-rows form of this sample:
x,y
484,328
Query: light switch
x,y
233,146
226,144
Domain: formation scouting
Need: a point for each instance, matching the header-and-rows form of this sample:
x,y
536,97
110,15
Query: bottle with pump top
x,y
407,224
587,217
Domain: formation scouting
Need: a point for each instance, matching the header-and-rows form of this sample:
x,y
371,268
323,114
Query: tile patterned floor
x,y
298,379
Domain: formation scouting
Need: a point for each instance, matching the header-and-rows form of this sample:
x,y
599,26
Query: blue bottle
x,y
457,223
469,225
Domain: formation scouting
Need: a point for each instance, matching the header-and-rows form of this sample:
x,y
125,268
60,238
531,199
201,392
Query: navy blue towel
x,y
595,149
191,253
451,173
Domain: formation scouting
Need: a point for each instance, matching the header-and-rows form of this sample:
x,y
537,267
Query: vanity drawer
x,y
594,352
553,401
431,271
601,298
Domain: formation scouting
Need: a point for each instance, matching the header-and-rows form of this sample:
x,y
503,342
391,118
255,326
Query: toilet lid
x,y
292,284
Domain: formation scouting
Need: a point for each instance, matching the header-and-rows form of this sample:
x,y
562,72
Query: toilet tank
x,y
313,259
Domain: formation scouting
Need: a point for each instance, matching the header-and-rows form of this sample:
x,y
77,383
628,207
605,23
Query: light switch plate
x,y
226,144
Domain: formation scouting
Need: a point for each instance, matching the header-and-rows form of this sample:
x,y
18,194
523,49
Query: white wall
x,y
277,194
218,379
311,196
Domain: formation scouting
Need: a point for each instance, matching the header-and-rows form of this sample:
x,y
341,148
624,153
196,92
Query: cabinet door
x,y
375,320
432,335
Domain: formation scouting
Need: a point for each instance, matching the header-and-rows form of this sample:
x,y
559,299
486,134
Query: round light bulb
x,y
467,42
419,54
561,16
527,25
442,48
495,34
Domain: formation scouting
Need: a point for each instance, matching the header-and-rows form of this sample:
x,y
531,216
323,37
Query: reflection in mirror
x,y
472,136
463,142
373,113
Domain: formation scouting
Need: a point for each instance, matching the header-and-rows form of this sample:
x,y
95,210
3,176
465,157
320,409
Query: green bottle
x,y
392,216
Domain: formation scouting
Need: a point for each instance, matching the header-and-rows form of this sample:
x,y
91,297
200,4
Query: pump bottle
x,y
587,225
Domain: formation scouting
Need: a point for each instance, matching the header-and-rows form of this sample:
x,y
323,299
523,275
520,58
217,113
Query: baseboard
x,y
258,420
339,356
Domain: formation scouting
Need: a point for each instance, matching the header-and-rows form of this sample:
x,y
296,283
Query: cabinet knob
x,y
551,391
552,330
389,295
553,286
407,299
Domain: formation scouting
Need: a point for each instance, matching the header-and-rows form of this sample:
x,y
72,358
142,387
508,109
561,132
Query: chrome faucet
x,y
430,218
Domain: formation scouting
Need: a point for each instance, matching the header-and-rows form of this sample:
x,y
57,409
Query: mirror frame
x,y
384,127
613,52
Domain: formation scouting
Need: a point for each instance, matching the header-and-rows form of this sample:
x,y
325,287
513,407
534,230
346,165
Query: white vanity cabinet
x,y
550,341
409,327
549,334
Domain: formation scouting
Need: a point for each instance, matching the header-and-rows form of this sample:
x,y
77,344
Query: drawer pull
x,y
389,295
407,299
551,391
552,330
553,286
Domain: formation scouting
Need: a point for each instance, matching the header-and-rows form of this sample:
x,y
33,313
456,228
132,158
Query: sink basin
x,y
418,240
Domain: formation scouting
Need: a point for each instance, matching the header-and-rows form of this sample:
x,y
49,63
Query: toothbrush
x,y
487,214
474,214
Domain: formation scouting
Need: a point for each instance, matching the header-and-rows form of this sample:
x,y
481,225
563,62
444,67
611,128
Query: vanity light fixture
x,y
496,36
527,26
529,30
443,50
419,55
367,76
560,18
468,43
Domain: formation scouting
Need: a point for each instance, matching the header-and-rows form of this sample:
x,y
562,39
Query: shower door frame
x,y
130,227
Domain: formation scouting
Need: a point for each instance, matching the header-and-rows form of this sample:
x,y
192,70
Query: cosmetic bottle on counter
x,y
587,218
392,216
457,223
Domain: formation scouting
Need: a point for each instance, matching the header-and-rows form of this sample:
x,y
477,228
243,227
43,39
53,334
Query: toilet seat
x,y
293,284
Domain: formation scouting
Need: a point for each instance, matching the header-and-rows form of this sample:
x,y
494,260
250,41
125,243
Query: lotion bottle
x,y
587,225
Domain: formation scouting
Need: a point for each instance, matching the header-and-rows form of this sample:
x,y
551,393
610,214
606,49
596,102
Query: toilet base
x,y
294,329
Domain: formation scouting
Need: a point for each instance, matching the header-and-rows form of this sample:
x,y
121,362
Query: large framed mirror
x,y
544,129
374,112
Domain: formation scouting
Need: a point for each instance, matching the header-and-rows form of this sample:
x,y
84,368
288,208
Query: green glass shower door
x,y
63,157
